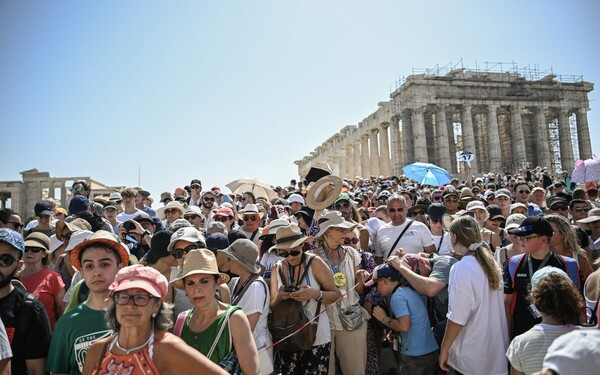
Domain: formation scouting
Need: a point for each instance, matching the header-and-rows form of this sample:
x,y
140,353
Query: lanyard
x,y
333,268
441,239
546,258
291,270
242,289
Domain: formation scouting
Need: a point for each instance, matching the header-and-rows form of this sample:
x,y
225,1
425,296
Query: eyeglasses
x,y
581,209
524,191
525,239
178,253
171,211
191,217
453,200
417,213
139,300
437,198
401,209
341,205
353,240
250,218
292,253
559,208
221,218
207,199
6,260
34,250
21,225
196,187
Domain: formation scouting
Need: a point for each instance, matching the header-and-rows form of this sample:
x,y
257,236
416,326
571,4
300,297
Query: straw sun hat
x,y
199,261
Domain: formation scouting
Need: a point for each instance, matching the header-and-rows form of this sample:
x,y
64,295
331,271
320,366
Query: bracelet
x,y
320,298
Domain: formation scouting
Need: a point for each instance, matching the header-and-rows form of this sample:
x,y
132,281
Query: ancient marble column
x,y
442,141
375,168
419,137
566,144
583,134
384,150
357,159
365,166
542,144
341,157
494,150
349,171
468,135
518,138
408,145
396,146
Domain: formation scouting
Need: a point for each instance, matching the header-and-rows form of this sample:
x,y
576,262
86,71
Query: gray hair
x,y
396,197
162,321
216,227
178,224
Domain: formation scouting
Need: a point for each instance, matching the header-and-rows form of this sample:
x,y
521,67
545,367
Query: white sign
x,y
467,157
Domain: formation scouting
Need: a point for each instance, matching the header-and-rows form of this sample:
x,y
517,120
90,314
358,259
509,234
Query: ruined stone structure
x,y
22,196
509,120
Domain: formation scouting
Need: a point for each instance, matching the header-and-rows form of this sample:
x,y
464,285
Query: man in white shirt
x,y
400,233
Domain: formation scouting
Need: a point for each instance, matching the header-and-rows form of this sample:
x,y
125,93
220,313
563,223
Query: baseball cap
x,y
342,197
436,211
556,199
297,198
518,204
60,210
142,277
12,238
144,217
545,271
217,241
115,196
78,204
43,208
489,194
225,211
503,193
533,225
514,221
78,237
189,234
495,212
449,191
384,271
195,181
475,204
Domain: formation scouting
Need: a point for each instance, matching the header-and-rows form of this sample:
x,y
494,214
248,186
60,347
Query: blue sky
x,y
223,89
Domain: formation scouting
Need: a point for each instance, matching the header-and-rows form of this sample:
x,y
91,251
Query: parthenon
x,y
507,119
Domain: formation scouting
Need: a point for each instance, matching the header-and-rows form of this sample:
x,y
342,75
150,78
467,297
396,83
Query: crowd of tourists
x,y
496,274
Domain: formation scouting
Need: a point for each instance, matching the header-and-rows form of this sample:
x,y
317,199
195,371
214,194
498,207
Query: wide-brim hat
x,y
271,229
290,236
39,240
77,224
333,219
593,215
245,252
324,192
100,237
251,209
171,205
140,277
199,261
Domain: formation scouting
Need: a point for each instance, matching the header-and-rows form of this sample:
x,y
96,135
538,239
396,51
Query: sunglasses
x,y
196,187
67,236
581,209
524,191
221,218
382,200
293,253
191,217
401,209
208,199
34,250
341,205
418,213
6,260
437,198
348,241
171,211
559,208
435,221
250,218
139,300
454,200
178,253
77,190
15,224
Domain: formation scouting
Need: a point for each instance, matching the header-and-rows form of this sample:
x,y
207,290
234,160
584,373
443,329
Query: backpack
x,y
291,329
23,310
513,264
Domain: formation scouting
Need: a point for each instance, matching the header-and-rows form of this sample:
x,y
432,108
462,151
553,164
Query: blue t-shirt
x,y
419,339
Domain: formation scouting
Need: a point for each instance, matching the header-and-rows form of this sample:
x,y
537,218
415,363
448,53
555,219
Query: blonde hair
x,y
467,233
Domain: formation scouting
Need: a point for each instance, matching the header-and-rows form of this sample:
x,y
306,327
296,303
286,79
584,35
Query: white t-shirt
x,y
413,241
123,217
5,351
526,352
446,247
249,235
256,299
480,346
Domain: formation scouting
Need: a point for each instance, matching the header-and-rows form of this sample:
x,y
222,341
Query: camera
x,y
130,238
129,226
290,289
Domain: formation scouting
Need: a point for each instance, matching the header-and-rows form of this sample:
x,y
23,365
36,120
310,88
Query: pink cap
x,y
142,277
224,211
179,191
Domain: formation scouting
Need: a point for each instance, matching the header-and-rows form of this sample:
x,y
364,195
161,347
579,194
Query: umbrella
x,y
427,174
257,187
587,170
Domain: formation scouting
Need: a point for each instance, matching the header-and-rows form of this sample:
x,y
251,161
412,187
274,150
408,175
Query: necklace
x,y
128,351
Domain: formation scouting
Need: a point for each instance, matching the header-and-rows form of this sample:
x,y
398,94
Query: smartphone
x,y
290,289
130,238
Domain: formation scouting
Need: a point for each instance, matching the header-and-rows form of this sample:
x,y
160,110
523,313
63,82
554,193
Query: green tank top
x,y
203,341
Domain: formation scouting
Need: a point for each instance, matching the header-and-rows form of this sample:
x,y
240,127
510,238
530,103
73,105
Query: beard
x,y
5,280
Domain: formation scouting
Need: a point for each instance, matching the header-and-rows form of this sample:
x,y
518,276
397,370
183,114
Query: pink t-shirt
x,y
45,285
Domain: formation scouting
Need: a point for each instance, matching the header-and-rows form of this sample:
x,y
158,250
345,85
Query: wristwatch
x,y
145,233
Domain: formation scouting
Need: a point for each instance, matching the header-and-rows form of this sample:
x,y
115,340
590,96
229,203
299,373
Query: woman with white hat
x,y
218,330
481,215
307,279
249,291
348,337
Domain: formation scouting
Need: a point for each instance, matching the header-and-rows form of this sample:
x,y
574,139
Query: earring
x,y
153,315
